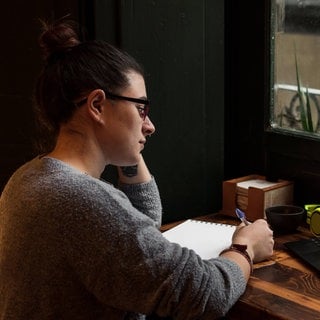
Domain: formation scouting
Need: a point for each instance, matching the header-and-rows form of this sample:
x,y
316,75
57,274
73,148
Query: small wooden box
x,y
253,194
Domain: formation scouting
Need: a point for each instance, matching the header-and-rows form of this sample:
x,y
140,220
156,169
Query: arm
x,y
140,187
125,261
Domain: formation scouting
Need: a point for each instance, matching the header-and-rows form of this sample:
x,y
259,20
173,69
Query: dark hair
x,y
73,68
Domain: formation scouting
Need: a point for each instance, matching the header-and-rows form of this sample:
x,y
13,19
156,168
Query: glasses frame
x,y
143,111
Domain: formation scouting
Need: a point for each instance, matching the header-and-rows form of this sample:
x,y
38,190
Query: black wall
x,y
19,64
246,86
181,44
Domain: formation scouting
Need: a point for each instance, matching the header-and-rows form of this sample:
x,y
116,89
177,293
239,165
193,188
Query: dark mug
x,y
284,218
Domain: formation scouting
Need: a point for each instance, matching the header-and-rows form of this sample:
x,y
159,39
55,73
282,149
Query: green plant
x,y
304,99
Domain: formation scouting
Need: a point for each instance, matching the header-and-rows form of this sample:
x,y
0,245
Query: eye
x,y
141,111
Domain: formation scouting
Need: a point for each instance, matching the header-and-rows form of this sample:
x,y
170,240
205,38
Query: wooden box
x,y
253,194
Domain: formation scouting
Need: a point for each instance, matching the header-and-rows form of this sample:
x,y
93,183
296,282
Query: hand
x,y
258,237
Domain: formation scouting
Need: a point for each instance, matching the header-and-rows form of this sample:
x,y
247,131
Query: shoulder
x,y
49,181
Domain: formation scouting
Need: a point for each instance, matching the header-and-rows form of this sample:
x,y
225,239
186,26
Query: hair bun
x,y
58,37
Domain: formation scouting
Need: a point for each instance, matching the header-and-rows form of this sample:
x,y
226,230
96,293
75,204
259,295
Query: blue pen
x,y
241,215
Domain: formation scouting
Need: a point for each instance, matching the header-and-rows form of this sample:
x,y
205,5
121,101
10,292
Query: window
x,y
295,67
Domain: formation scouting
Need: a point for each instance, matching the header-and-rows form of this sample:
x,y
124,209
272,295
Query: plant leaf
x,y
302,98
309,119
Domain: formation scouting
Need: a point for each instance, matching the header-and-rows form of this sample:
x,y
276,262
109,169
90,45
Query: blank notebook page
x,y
207,239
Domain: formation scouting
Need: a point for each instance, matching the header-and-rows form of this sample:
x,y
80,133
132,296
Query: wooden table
x,y
280,288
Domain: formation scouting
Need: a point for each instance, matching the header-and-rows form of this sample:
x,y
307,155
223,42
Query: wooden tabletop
x,y
281,288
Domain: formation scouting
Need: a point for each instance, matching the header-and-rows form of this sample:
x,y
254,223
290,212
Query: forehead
x,y
136,84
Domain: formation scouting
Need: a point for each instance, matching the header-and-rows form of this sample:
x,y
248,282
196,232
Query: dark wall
x,y
246,87
182,48
19,64
297,159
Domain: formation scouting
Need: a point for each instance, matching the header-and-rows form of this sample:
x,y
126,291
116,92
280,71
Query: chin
x,y
130,160
129,163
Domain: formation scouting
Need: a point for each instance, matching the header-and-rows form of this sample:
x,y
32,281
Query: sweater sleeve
x,y
125,261
145,197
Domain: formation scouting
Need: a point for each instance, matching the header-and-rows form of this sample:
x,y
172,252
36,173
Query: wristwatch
x,y
241,249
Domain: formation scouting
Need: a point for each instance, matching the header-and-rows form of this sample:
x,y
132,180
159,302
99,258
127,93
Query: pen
x,y
241,215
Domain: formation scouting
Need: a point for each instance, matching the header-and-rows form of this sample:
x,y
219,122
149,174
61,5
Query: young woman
x,y
75,247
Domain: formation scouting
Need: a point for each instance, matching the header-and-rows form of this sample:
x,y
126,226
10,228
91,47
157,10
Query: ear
x,y
95,103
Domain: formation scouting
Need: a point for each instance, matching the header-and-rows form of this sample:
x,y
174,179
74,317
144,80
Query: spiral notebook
x,y
207,239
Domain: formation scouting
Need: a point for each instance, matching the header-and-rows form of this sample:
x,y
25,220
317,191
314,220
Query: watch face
x,y
240,247
315,223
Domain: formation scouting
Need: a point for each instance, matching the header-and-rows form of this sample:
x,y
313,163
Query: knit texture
x,y
75,247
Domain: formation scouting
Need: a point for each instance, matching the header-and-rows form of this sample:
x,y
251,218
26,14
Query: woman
x,y
75,247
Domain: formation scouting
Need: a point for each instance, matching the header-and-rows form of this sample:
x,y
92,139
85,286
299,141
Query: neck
x,y
79,152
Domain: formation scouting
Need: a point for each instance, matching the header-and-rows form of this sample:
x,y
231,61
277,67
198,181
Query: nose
x,y
147,127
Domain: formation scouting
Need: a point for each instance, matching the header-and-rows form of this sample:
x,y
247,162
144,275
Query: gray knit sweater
x,y
75,247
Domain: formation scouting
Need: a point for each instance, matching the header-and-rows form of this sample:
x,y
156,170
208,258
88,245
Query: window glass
x,y
295,67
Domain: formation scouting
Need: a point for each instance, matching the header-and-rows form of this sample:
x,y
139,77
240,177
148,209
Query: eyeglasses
x,y
143,111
